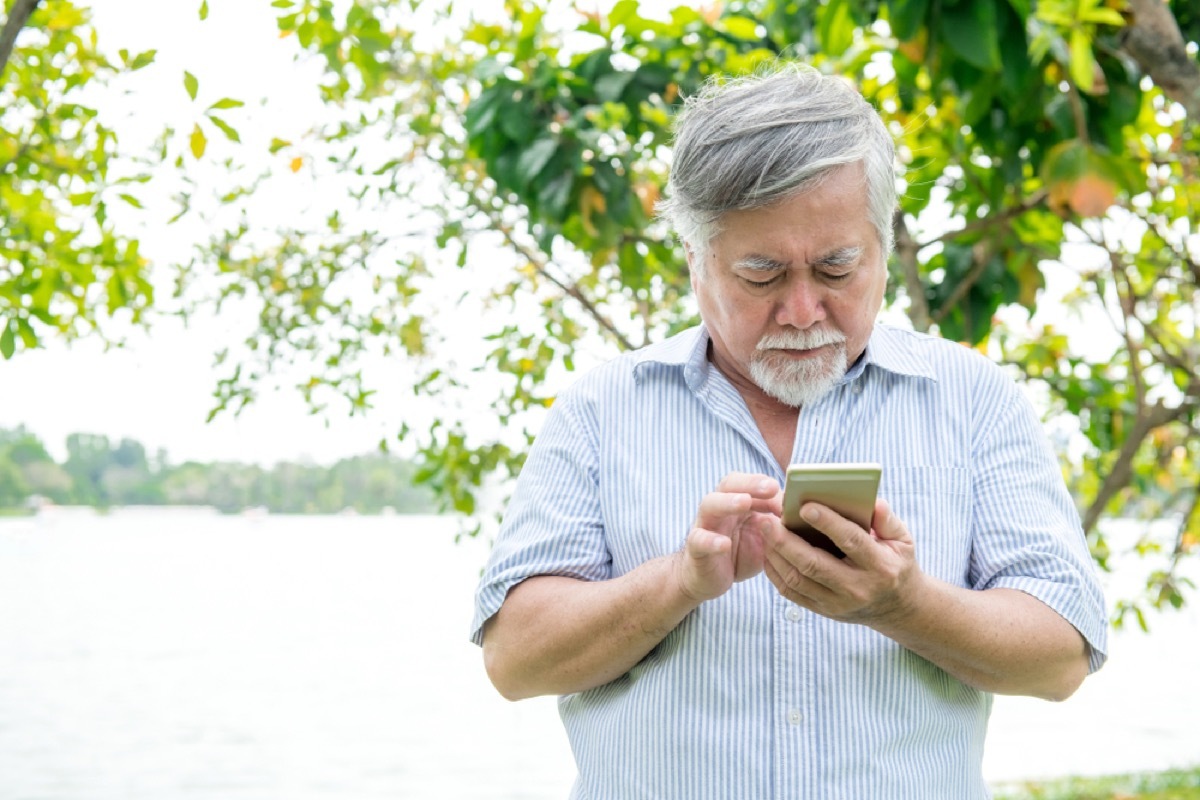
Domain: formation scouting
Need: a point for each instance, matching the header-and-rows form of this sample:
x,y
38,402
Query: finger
x,y
790,546
717,507
759,487
796,586
790,554
852,540
887,525
702,544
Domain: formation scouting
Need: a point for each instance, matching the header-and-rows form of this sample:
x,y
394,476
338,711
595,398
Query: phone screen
x,y
848,489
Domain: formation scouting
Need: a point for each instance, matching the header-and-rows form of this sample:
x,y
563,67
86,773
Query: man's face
x,y
789,292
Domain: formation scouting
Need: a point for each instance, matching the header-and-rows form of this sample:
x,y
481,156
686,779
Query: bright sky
x,y
158,389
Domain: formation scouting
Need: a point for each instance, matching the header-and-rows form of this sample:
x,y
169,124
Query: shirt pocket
x,y
934,503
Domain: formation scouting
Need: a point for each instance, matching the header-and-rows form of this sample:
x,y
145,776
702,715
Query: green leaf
x,y
534,158
198,142
282,4
907,18
623,12
836,27
27,333
1083,63
204,10
610,86
144,59
190,84
1023,7
131,200
230,133
517,121
482,112
741,27
226,102
8,342
1104,16
277,145
554,195
970,29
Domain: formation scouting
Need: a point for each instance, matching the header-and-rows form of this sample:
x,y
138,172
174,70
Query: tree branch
x,y
571,291
1184,525
1119,476
1155,42
906,257
1033,201
1128,301
17,18
980,256
1077,112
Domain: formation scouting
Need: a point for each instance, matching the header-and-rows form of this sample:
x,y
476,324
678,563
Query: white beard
x,y
799,382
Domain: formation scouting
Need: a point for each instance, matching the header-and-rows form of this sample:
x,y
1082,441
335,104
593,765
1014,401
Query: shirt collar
x,y
688,350
891,349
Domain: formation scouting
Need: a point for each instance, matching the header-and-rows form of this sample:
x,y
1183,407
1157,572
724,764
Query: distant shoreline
x,y
252,511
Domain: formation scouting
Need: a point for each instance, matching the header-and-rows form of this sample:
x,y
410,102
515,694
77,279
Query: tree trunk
x,y
1155,42
12,26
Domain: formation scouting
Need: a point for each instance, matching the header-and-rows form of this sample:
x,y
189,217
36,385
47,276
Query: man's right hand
x,y
558,635
727,541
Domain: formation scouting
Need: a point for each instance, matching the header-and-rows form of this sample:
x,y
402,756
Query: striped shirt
x,y
752,696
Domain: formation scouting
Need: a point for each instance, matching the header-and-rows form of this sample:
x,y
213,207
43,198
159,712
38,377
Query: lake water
x,y
172,654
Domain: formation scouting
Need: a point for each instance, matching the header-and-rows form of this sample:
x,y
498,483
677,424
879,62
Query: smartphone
x,y
848,489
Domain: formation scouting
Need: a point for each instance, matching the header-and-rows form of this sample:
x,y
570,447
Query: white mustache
x,y
801,340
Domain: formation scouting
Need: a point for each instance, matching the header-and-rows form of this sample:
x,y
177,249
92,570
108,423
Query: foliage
x,y
1053,174
98,472
64,268
1175,784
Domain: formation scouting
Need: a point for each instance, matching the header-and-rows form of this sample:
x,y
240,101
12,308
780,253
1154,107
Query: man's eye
x,y
838,278
761,284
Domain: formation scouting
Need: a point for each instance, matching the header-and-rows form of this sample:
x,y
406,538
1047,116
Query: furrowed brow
x,y
758,263
842,257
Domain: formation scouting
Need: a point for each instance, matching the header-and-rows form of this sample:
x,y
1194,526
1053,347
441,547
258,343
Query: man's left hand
x,y
875,580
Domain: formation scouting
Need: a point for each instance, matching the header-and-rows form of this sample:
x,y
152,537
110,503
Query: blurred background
x,y
286,289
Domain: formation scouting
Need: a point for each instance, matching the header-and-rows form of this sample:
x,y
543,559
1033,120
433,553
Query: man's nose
x,y
801,306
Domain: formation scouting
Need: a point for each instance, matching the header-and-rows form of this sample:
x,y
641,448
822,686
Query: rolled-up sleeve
x,y
553,523
1027,534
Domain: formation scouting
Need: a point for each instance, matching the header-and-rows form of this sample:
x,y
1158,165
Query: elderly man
x,y
701,649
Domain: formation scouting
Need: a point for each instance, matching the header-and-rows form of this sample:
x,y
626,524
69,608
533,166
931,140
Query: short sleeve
x,y
553,523
1026,530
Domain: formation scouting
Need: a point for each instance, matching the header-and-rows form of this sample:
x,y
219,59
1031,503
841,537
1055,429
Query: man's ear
x,y
691,262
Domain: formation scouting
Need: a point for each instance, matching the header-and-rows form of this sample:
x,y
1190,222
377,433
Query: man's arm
x,y
559,635
996,640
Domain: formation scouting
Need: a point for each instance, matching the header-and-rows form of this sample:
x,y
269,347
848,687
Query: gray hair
x,y
754,141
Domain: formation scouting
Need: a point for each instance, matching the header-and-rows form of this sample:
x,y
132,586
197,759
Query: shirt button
x,y
857,388
793,614
794,716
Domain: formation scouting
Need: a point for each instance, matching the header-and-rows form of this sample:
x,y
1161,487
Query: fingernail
x,y
810,513
764,486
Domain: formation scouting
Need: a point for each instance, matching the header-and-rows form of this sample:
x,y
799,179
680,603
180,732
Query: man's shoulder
x,y
626,370
934,356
